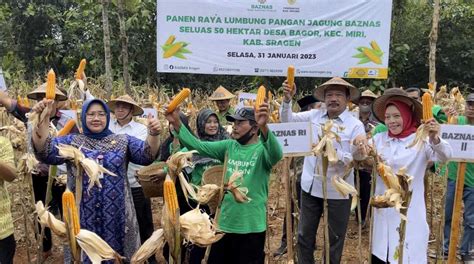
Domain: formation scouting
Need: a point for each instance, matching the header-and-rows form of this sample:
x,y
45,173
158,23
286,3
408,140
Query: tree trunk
x,y
433,40
107,51
124,40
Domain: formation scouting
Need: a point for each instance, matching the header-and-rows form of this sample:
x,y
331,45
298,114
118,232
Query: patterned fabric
x,y
6,221
107,211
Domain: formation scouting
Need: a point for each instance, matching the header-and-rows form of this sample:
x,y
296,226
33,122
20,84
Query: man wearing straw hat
x,y
40,179
124,109
335,93
367,118
221,96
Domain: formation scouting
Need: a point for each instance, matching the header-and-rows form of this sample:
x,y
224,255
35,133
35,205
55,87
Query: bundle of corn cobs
x,y
397,189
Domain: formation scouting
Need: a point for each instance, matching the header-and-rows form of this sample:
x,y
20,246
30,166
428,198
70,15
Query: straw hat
x,y
221,93
367,94
336,81
39,93
379,105
213,175
151,189
137,110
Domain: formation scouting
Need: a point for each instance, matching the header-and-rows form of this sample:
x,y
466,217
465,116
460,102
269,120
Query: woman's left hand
x,y
154,126
433,130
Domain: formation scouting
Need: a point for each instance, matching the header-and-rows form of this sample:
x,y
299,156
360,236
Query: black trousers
x,y
311,211
40,184
144,215
365,183
239,249
7,249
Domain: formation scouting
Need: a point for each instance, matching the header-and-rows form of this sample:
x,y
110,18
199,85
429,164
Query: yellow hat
x,y
221,93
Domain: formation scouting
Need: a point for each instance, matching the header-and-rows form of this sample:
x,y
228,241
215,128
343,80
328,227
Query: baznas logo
x,y
291,2
262,1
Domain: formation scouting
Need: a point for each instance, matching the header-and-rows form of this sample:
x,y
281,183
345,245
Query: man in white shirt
x,y
335,93
124,108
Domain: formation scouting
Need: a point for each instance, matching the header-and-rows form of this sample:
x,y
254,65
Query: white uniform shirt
x,y
387,220
311,179
136,130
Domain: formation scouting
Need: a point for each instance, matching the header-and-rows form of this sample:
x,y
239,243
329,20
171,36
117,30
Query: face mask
x,y
245,138
365,108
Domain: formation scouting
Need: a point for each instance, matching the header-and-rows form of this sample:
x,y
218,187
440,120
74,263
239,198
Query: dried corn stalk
x,y
345,189
178,161
206,192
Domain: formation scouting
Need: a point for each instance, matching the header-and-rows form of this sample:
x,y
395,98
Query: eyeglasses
x,y
92,115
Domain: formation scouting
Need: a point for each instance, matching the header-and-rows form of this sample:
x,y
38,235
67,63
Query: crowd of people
x,y
120,212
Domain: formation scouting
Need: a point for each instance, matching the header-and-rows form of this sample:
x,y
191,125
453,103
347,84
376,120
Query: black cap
x,y
244,113
307,100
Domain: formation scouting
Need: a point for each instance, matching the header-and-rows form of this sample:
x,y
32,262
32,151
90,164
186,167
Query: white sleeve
x,y
440,152
287,115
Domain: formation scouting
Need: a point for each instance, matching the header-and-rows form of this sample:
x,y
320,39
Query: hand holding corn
x,y
42,105
288,92
433,130
173,118
154,126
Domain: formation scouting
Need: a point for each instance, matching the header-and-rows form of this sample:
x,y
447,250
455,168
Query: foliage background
x,y
38,35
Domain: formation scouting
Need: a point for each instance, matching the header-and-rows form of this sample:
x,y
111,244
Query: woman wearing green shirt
x,y
253,151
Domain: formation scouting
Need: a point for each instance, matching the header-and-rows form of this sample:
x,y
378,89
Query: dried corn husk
x,y
235,188
47,219
345,189
325,146
151,246
206,192
95,247
90,166
178,161
196,228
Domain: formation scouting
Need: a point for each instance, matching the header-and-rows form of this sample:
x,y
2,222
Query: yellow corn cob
x,y
290,76
51,85
260,96
169,194
80,69
26,102
170,40
375,46
178,99
67,127
173,50
269,96
69,204
371,56
427,106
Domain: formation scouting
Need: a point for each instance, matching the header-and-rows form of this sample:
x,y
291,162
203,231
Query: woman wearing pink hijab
x,y
402,116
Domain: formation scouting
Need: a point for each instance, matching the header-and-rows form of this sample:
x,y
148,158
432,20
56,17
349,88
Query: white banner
x,y
321,38
3,85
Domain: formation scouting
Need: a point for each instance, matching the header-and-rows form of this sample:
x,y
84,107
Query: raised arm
x,y
286,112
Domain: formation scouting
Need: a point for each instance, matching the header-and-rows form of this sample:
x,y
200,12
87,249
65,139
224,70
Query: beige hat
x,y
367,94
221,93
150,188
380,104
319,92
137,110
39,93
213,175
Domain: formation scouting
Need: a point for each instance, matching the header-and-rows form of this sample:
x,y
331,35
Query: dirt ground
x,y
352,252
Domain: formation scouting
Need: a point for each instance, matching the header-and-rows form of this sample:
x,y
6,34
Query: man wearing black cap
x,y
252,151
